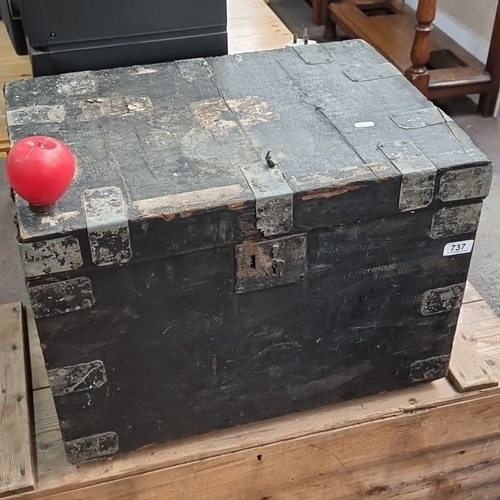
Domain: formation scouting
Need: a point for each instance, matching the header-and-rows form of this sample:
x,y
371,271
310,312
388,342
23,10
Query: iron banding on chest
x,y
92,447
77,378
107,226
429,369
61,297
418,174
273,198
451,220
442,300
51,256
466,183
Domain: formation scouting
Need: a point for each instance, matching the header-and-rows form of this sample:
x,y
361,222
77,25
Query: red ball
x,y
40,169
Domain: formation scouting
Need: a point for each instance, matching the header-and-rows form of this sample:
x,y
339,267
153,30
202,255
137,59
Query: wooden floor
x,y
12,67
251,26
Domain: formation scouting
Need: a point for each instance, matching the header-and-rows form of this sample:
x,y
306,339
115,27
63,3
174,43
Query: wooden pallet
x,y
252,25
429,442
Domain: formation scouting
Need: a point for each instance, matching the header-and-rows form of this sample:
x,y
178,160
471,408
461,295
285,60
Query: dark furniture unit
x,y
66,36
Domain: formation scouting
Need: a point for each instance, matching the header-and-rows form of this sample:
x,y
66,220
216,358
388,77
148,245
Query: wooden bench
x,y
437,65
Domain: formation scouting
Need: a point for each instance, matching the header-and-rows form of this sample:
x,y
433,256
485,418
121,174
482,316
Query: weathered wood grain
x,y
423,455
468,369
16,463
471,294
38,370
480,325
252,25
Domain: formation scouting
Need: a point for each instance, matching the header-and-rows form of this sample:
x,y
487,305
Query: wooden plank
x,y
481,326
55,474
39,375
421,455
16,467
471,294
468,369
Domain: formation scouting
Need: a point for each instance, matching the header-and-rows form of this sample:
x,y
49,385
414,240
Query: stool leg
x,y
330,32
320,11
421,50
488,101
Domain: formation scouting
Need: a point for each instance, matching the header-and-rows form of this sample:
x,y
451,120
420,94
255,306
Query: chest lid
x,y
257,135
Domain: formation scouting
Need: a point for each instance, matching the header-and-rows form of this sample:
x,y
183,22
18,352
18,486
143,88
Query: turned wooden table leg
x,y
488,101
418,73
320,11
330,32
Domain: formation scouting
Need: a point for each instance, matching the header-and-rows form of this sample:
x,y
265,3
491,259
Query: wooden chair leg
x,y
330,32
320,8
488,101
418,73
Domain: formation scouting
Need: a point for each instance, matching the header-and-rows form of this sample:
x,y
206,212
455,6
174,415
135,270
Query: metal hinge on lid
x,y
418,174
273,197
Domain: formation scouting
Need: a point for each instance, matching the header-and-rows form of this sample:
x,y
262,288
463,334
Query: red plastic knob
x,y
40,170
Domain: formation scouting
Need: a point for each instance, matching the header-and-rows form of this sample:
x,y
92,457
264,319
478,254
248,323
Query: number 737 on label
x,y
458,247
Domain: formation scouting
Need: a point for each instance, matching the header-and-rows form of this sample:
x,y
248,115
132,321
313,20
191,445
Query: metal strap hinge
x,y
418,174
273,197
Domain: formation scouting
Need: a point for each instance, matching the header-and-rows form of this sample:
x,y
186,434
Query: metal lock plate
x,y
267,264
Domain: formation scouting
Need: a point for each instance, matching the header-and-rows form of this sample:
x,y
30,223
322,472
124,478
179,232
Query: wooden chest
x,y
246,237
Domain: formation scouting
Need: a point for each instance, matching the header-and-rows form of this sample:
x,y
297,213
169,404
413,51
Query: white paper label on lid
x,y
364,124
458,248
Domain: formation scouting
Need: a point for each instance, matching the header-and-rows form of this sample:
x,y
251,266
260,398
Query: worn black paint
x,y
183,353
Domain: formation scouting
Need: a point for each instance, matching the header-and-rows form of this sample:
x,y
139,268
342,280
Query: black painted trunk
x,y
187,284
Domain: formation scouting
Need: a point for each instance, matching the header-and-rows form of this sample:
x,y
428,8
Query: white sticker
x,y
459,247
364,124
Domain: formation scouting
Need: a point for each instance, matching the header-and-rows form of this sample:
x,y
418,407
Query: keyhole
x,y
252,262
275,268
